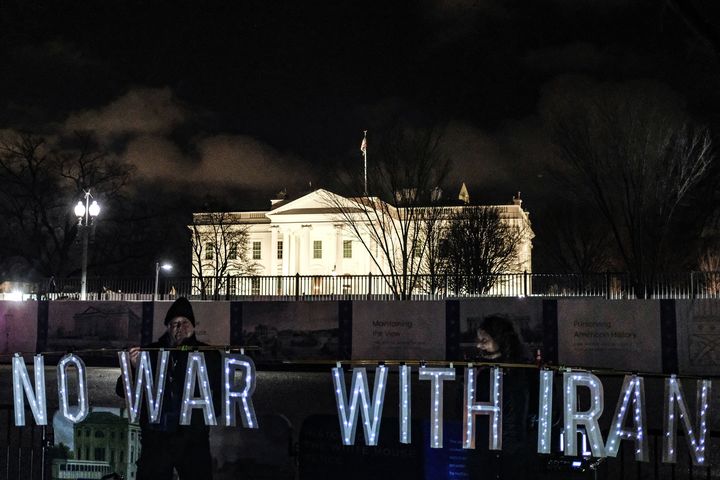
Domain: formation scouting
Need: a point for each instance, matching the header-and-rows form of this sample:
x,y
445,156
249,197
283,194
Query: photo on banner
x,y
398,330
93,325
212,321
698,336
597,333
291,330
524,314
18,326
102,444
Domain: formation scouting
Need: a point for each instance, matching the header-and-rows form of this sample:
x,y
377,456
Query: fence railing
x,y
385,287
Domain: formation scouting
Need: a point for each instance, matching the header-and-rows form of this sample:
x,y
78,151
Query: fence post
x,y
227,287
446,285
692,284
297,286
525,283
607,285
369,285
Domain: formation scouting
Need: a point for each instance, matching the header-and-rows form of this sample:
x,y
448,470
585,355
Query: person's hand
x,y
134,356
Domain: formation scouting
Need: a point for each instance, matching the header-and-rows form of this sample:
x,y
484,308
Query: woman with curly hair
x,y
498,342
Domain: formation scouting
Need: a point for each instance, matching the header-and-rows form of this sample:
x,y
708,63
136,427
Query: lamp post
x,y
165,266
85,213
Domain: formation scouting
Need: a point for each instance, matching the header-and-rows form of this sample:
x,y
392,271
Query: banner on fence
x,y
610,334
698,336
524,314
398,330
291,330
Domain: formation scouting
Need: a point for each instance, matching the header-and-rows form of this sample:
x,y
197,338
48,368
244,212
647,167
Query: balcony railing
x,y
378,287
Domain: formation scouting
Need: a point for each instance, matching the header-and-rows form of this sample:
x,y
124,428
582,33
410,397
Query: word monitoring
x,y
628,422
237,393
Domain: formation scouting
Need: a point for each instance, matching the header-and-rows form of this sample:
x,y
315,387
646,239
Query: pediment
x,y
318,202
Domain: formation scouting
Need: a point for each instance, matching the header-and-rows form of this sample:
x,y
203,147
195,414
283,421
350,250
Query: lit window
x,y
279,249
209,247
317,249
347,248
233,251
257,250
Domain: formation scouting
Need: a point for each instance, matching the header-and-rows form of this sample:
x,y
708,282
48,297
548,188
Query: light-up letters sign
x,y
361,405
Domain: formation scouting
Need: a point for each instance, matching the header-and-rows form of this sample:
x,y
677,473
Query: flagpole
x,y
365,159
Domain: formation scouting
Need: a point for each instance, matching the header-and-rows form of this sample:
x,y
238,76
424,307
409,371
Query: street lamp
x,y
165,266
85,213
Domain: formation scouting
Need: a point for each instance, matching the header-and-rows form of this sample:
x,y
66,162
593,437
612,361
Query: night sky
x,y
253,97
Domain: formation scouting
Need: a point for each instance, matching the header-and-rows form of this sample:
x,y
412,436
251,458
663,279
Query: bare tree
x,y
709,265
40,184
393,217
637,159
480,246
220,251
575,241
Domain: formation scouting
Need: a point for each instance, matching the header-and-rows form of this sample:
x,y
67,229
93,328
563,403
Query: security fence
x,y
386,287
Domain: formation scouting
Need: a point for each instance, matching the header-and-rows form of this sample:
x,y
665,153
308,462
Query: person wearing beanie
x,y
167,445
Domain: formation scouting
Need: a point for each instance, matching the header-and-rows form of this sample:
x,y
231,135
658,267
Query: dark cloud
x,y
573,57
139,111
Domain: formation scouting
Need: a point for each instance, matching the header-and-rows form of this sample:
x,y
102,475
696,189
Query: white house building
x,y
310,236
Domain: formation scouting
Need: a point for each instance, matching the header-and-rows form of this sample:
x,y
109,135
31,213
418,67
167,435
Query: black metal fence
x,y
385,287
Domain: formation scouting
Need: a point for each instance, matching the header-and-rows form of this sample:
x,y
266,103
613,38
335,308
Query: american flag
x,y
363,145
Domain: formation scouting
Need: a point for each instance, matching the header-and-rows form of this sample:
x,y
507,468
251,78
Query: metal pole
x,y
365,161
157,276
83,279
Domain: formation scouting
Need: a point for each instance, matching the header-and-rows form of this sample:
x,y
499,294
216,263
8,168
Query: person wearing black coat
x,y
167,444
497,342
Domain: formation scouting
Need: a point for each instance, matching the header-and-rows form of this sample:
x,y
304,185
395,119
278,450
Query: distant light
x,y
15,296
166,266
79,209
94,209
577,463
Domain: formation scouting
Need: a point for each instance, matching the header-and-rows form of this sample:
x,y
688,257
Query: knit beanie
x,y
180,308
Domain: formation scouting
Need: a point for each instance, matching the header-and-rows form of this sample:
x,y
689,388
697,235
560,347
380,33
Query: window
x,y
279,249
317,249
100,454
233,251
257,250
347,248
255,286
209,247
443,248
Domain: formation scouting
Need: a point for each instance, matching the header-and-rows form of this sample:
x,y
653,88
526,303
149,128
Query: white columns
x,y
286,252
272,257
338,250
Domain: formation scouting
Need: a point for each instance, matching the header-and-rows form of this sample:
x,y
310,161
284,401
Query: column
x,y
286,252
273,250
339,268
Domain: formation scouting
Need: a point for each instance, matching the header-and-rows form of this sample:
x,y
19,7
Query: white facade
x,y
308,236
